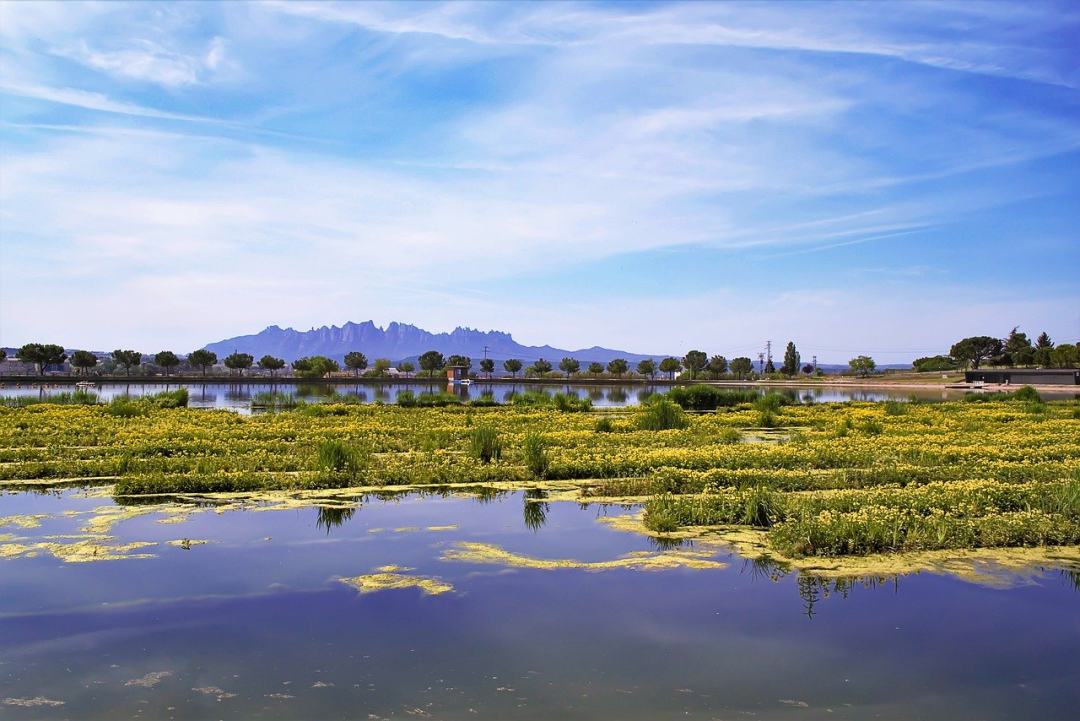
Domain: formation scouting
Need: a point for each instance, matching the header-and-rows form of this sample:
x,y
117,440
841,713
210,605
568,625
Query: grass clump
x,y
708,398
895,408
76,398
484,444
604,425
335,459
662,414
535,455
570,403
1028,394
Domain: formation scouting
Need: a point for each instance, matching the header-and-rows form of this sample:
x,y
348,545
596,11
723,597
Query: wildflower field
x,y
829,479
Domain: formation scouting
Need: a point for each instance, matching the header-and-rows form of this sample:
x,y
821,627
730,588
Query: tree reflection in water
x,y
333,516
535,510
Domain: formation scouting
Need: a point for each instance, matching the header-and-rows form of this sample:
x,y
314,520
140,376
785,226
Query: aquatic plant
x,y
334,458
484,444
534,453
604,425
703,397
661,414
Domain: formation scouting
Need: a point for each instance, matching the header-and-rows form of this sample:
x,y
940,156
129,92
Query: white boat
x,y
86,384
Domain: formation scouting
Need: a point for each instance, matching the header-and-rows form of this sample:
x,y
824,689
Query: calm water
x,y
238,396
256,624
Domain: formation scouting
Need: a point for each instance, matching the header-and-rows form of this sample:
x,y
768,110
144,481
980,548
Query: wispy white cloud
x,y
151,62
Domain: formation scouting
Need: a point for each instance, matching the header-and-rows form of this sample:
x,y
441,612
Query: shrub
x,y
122,407
534,451
484,444
169,399
661,414
895,408
604,425
708,398
1027,393
569,403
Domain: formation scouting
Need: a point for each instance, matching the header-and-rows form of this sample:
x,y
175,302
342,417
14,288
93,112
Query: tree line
x,y
695,363
1016,349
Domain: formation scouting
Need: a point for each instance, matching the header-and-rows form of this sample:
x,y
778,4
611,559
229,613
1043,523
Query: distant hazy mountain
x,y
399,341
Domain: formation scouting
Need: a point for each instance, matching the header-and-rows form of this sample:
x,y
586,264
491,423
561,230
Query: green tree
x,y
84,360
862,365
617,366
671,366
3,354
742,367
202,359
791,360
460,360
512,366
128,359
487,366
934,363
272,364
316,366
239,362
406,367
695,362
1066,355
1019,349
432,361
808,369
381,366
540,367
166,359
647,367
1044,348
569,366
973,351
769,367
718,366
596,369
355,361
41,355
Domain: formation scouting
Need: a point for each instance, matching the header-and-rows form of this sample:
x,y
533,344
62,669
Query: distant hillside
x,y
399,341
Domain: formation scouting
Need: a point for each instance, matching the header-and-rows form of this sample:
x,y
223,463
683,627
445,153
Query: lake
x,y
238,396
257,622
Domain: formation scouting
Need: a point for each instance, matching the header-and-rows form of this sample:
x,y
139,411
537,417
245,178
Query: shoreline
x,y
879,384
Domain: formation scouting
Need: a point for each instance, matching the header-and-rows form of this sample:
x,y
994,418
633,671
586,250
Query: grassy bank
x,y
828,479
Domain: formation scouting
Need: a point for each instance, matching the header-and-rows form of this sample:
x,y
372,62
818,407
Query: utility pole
x,y
768,350
760,362
485,352
815,363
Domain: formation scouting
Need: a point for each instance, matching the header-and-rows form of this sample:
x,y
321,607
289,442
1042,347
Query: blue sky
x,y
856,177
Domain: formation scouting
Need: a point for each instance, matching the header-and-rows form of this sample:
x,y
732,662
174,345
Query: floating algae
x,y
77,552
32,702
186,543
149,680
215,692
391,577
999,567
487,553
29,520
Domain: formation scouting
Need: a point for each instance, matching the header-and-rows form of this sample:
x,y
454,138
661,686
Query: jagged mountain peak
x,y
399,341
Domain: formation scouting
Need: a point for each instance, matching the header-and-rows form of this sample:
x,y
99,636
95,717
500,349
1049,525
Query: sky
x,y
860,178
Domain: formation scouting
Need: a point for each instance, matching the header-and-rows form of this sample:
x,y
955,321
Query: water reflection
x,y
334,516
237,396
534,508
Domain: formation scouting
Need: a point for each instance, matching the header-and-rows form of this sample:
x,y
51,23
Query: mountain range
x,y
400,341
